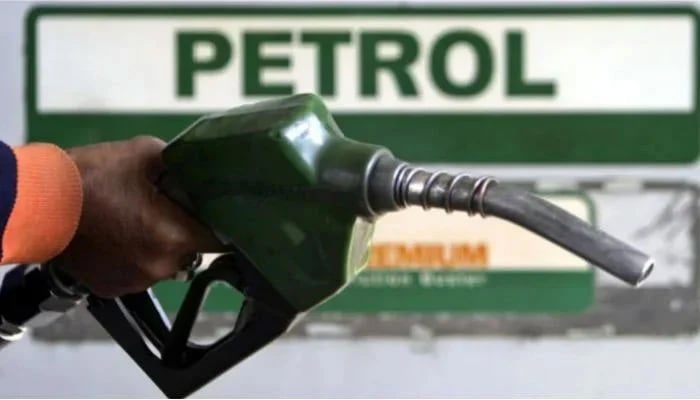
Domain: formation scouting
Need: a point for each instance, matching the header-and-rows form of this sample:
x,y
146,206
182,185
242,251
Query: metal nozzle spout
x,y
568,231
646,271
394,185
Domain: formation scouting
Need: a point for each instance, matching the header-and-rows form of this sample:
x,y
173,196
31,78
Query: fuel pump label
x,y
457,85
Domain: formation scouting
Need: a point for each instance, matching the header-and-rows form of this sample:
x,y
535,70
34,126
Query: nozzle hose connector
x,y
394,185
405,194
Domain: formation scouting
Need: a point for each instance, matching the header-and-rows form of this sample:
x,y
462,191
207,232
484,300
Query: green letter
x,y
326,43
187,65
516,70
255,62
371,62
484,67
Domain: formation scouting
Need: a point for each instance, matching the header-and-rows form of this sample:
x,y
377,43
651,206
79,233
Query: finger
x,y
175,267
119,281
164,267
183,231
148,150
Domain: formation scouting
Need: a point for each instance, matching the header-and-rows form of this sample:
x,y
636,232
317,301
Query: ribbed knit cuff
x,y
47,207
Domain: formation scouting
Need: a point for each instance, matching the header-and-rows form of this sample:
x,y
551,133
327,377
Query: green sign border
x,y
563,138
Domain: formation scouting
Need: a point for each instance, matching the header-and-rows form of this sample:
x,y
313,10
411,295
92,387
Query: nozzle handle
x,y
165,351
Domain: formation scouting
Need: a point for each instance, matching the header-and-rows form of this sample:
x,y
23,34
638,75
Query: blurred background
x,y
592,105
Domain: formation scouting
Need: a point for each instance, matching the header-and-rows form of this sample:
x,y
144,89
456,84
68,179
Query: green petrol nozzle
x,y
280,181
295,201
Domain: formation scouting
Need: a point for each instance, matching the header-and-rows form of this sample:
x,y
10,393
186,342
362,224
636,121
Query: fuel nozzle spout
x,y
393,185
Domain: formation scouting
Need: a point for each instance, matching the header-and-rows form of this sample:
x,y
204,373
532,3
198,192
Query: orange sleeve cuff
x,y
47,206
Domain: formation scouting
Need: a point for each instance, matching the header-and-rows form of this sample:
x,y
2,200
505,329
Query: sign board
x,y
451,85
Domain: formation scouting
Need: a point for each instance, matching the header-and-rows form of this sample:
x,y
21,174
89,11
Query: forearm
x,y
40,202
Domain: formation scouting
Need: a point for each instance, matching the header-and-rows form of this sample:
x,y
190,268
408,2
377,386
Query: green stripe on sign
x,y
448,138
531,138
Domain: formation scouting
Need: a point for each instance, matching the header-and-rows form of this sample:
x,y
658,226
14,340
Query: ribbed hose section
x,y
482,195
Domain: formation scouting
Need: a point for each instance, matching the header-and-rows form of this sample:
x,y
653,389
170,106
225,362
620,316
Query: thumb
x,y
187,233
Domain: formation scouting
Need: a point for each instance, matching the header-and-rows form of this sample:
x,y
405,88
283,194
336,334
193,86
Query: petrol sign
x,y
460,85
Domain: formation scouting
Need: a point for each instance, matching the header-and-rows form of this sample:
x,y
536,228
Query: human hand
x,y
130,235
